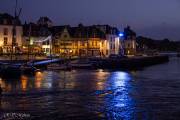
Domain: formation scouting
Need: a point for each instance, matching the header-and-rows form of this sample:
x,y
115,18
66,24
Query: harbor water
x,y
150,93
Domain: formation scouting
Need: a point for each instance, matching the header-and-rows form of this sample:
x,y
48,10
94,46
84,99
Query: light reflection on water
x,y
95,94
97,86
24,80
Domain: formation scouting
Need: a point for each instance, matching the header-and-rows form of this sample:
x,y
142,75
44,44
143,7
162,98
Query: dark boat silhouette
x,y
15,70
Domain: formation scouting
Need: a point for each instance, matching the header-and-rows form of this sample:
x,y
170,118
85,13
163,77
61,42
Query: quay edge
x,y
131,63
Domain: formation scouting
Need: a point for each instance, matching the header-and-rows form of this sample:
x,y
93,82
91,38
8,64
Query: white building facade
x,y
113,42
6,34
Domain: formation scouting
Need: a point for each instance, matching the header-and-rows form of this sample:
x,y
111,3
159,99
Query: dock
x,y
131,63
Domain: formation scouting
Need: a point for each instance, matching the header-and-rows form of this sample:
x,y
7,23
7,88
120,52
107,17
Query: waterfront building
x,y
95,40
7,22
113,43
129,42
37,38
83,41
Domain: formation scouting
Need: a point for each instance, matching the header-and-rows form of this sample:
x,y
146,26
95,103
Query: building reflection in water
x,y
101,79
38,79
1,82
24,81
6,85
48,79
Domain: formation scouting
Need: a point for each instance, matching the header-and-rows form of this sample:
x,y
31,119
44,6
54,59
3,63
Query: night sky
x,y
152,18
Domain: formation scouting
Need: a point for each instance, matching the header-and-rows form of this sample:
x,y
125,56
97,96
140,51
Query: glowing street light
x,y
121,34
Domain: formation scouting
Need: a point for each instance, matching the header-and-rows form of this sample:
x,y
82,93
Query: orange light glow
x,y
24,81
38,79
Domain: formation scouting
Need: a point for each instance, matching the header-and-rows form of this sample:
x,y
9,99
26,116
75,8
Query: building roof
x,y
129,32
7,19
35,30
80,31
107,29
94,31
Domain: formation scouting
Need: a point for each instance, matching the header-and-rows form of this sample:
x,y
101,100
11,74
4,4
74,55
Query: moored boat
x,y
15,70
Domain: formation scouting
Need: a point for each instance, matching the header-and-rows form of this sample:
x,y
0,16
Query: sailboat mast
x,y
29,41
13,30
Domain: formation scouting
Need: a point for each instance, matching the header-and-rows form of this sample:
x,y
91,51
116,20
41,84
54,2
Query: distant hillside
x,y
160,45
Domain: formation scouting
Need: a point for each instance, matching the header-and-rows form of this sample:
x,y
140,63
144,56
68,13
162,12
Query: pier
x,y
101,63
131,63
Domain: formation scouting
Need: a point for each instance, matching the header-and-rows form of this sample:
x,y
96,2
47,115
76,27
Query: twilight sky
x,y
152,18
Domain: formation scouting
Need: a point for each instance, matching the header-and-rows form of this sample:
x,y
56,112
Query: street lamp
x,y
121,34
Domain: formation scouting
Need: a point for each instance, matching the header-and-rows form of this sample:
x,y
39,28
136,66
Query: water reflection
x,y
24,80
101,79
120,99
38,79
97,94
48,79
120,79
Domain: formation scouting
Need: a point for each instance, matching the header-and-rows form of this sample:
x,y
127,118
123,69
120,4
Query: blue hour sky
x,y
157,19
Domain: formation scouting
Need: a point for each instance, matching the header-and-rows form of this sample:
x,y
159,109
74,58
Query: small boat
x,y
15,70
